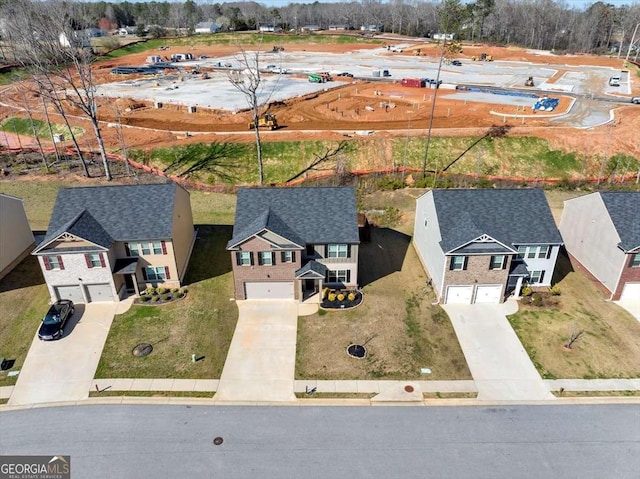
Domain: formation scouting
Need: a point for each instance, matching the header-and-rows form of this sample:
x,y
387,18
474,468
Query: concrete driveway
x,y
62,370
498,362
260,365
633,307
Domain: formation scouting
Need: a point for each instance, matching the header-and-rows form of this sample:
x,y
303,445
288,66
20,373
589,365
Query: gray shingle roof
x,y
315,215
624,210
119,213
314,267
511,216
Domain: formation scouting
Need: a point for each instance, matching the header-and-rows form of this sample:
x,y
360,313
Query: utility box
x,y
191,109
59,138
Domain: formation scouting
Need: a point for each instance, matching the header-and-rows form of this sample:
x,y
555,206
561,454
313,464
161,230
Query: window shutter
x,y
164,247
102,262
238,259
273,258
251,258
127,250
293,256
144,273
87,258
326,251
259,258
541,277
464,264
348,276
166,272
47,265
61,263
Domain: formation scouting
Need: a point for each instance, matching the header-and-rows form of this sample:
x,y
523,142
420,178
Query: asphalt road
x,y
332,442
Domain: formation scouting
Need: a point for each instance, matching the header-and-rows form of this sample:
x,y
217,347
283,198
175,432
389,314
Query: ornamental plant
x,y
331,297
341,297
351,297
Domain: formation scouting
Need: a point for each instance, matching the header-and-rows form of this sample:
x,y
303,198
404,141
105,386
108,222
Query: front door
x,y
310,286
128,281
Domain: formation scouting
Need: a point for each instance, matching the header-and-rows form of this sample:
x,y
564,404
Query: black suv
x,y
52,326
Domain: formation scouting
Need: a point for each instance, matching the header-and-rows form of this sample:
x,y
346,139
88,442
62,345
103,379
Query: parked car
x,y
345,74
636,100
456,63
52,326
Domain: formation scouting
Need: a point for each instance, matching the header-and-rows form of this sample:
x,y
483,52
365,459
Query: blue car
x,y
52,326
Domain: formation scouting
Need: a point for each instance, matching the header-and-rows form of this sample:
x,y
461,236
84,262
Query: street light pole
x,y
633,37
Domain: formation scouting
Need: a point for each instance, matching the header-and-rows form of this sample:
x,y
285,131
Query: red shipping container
x,y
412,82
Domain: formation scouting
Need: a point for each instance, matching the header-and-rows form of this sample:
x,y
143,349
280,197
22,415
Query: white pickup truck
x,y
614,81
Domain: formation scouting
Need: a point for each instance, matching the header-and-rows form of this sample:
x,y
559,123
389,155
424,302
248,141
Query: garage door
x,y
269,290
631,292
73,292
459,294
99,292
488,294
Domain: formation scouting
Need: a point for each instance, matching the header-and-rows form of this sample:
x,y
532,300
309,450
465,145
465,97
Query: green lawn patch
x,y
201,324
24,299
609,346
153,394
25,126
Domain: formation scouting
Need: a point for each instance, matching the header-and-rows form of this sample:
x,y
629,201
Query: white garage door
x,y
268,290
459,294
73,292
631,292
99,292
488,294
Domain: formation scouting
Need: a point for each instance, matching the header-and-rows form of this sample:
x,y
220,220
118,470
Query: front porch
x,y
309,280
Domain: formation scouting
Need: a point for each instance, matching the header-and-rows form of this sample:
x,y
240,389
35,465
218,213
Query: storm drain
x,y
142,349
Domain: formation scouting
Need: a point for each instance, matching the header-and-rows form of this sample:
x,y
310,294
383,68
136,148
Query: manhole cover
x,y
408,388
357,351
142,349
218,440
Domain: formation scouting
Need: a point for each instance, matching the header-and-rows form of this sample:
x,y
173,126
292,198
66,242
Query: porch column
x,y
135,284
516,292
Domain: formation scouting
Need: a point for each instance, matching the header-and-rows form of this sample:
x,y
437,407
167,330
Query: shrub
x,y
155,298
341,297
526,291
162,291
321,312
150,290
554,290
165,297
351,297
175,290
144,298
179,294
185,290
536,299
325,291
331,297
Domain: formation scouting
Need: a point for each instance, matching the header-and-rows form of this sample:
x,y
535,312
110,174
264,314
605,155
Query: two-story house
x,y
602,232
106,242
16,237
478,246
288,243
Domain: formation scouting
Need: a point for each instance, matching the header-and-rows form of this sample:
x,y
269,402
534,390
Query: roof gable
x,y
510,216
624,210
118,213
83,226
306,215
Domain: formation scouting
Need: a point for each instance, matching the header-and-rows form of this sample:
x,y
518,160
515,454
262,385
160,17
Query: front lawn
x,y
201,324
609,346
23,303
400,328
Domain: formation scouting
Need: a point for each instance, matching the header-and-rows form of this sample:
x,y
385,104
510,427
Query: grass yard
x,y
24,126
403,332
608,348
201,324
23,302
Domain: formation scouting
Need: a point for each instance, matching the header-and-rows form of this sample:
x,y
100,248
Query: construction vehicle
x,y
528,81
267,120
483,57
277,49
313,78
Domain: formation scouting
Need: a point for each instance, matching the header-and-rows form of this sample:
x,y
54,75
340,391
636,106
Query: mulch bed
x,y
344,304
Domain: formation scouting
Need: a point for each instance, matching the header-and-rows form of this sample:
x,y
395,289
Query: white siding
x,y
15,232
544,264
590,236
426,240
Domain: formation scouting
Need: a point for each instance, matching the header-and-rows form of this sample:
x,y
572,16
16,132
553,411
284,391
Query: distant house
x,y
601,232
270,29
371,28
16,238
311,28
289,243
207,27
478,246
107,242
333,28
444,36
124,31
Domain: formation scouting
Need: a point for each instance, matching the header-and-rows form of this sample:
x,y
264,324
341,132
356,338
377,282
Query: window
x,y
543,251
243,258
497,262
635,260
94,260
265,258
531,252
287,257
458,263
522,250
157,247
338,276
53,262
536,277
337,251
156,273
145,248
132,249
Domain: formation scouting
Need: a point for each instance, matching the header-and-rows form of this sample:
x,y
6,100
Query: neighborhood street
x,y
333,442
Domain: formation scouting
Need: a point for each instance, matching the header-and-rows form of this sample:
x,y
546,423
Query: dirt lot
x,y
397,111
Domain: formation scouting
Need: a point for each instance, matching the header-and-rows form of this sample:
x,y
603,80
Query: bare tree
x,y
251,84
574,335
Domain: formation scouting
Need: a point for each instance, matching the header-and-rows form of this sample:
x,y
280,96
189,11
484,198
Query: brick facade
x,y
477,272
629,275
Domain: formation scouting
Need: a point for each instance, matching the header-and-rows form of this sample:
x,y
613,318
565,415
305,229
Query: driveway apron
x,y
498,362
260,365
63,370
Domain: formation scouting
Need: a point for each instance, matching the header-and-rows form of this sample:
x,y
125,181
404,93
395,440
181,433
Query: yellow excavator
x,y
265,121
